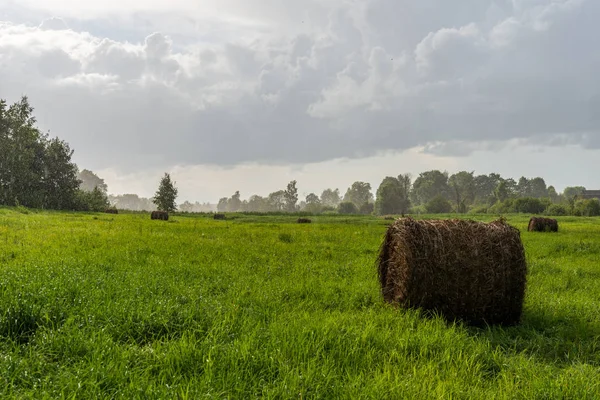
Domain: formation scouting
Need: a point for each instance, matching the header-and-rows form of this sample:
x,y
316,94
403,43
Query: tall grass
x,y
119,306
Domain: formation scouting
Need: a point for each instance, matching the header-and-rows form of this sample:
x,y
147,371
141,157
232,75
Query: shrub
x,y
587,208
557,210
347,207
367,208
438,205
529,205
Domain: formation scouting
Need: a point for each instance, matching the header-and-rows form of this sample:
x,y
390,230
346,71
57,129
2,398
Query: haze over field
x,y
235,95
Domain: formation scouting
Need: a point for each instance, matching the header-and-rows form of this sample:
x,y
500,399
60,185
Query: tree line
x,y
37,171
432,192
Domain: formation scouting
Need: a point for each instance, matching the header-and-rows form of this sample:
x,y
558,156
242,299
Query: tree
x,y
165,196
222,206
571,192
438,205
234,204
276,201
392,195
359,193
553,195
313,203
485,186
347,207
60,180
330,198
291,197
463,190
429,185
537,188
90,180
257,204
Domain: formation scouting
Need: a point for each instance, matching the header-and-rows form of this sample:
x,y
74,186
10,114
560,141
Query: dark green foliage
x,y
393,196
529,205
438,205
291,196
347,207
96,200
359,193
428,185
366,209
166,195
462,189
587,208
90,181
557,210
34,171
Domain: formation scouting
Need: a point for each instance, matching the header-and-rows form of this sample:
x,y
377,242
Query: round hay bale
x,y
465,270
304,220
219,216
111,211
160,215
539,224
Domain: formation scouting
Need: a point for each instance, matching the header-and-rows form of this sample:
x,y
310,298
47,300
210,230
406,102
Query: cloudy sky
x,y
249,94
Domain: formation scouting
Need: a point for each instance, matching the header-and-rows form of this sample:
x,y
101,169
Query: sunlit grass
x,y
119,306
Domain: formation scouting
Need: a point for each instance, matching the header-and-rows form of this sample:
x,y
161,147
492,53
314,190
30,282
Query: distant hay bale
x,y
219,216
539,224
465,270
111,211
304,220
161,215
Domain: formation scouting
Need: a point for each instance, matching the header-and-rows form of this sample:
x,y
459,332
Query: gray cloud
x,y
380,75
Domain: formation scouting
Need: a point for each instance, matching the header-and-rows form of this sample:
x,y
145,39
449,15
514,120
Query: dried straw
x,y
461,269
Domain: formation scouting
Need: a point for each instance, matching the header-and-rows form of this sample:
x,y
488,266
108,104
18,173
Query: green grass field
x,y
119,306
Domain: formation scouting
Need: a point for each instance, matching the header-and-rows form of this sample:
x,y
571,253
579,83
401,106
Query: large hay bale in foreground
x,y
466,270
161,215
539,224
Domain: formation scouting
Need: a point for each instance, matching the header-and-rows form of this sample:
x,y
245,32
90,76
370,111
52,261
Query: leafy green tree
x,y
393,195
587,208
330,198
313,203
165,196
462,185
95,200
257,204
235,203
553,195
485,186
359,193
429,185
438,205
60,176
571,192
90,181
276,201
291,197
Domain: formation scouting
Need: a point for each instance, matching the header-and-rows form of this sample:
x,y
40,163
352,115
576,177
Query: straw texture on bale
x,y
111,211
219,216
304,220
463,270
539,224
162,215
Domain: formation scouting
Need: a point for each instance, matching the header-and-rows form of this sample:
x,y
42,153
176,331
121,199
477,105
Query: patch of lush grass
x,y
119,306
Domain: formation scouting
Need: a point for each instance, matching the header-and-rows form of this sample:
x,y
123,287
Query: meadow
x,y
118,306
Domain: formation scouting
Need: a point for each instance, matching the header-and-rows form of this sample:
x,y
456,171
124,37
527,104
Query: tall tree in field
x,y
312,203
429,185
359,194
392,195
235,203
291,197
165,196
331,198
462,185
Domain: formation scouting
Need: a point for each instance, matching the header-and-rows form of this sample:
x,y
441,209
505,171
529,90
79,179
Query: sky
x,y
248,95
